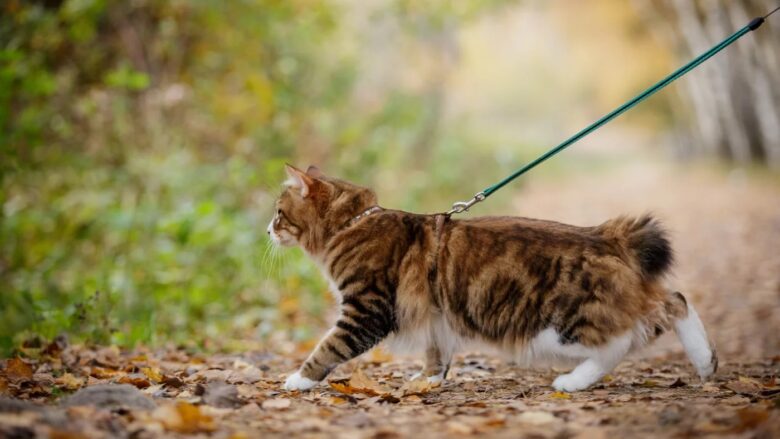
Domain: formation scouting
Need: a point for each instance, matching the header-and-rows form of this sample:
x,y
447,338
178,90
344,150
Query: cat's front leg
x,y
360,327
437,364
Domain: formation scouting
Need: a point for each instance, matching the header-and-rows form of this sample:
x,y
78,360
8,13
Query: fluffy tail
x,y
645,237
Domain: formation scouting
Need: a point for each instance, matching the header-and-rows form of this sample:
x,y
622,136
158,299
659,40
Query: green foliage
x,y
142,144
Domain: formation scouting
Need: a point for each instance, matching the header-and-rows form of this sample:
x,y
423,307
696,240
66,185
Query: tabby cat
x,y
532,288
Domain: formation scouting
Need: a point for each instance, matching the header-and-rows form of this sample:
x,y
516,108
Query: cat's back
x,y
526,230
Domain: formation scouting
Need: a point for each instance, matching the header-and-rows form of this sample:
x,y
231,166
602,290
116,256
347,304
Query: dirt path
x,y
174,394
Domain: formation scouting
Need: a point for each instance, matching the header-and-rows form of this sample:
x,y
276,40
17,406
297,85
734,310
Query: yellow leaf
x,y
560,395
336,400
153,374
184,418
69,382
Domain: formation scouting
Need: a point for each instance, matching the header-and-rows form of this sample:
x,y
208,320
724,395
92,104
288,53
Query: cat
x,y
532,288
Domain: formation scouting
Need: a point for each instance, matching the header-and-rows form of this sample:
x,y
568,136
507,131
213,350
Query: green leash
x,y
462,206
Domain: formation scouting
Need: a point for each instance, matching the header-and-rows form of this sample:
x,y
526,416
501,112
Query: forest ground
x,y
726,232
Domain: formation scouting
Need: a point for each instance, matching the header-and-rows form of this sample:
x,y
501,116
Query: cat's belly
x,y
543,349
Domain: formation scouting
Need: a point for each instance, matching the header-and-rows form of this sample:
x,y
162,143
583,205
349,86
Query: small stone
x,y
110,396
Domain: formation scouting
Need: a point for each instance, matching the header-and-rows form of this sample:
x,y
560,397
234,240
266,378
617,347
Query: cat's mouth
x,y
279,239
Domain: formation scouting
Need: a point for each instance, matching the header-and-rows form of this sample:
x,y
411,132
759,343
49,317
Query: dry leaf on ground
x,y
184,417
17,370
359,382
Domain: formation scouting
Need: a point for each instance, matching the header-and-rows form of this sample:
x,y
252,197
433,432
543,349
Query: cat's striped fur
x,y
529,287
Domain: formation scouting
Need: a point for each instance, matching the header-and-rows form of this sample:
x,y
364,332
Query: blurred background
x,y
142,145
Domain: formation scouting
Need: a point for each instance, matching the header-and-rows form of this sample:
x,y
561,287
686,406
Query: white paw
x,y
434,379
298,382
708,368
570,382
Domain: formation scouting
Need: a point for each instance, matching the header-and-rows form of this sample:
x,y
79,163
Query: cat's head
x,y
314,207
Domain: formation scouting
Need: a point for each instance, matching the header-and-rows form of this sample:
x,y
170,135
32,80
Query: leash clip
x,y
462,206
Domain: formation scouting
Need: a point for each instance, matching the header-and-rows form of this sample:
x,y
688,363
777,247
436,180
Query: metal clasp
x,y
462,206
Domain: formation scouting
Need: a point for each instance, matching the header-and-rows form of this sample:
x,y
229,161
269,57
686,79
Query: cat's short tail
x,y
645,237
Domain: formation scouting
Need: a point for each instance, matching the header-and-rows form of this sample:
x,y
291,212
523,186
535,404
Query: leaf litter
x,y
104,392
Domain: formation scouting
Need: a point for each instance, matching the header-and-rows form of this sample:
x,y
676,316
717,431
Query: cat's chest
x,y
333,287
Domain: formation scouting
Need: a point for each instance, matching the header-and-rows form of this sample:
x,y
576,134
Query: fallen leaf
x,y
337,400
417,387
136,380
153,374
678,383
173,381
276,404
744,385
359,383
560,395
184,418
17,370
69,382
102,373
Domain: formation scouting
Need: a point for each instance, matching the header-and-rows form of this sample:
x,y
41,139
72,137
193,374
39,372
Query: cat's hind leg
x,y
599,362
438,353
437,364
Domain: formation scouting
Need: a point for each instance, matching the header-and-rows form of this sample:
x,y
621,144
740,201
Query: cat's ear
x,y
298,179
314,171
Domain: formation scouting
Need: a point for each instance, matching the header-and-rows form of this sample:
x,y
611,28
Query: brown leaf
x,y
417,387
17,370
69,382
744,386
173,381
102,373
360,383
137,380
